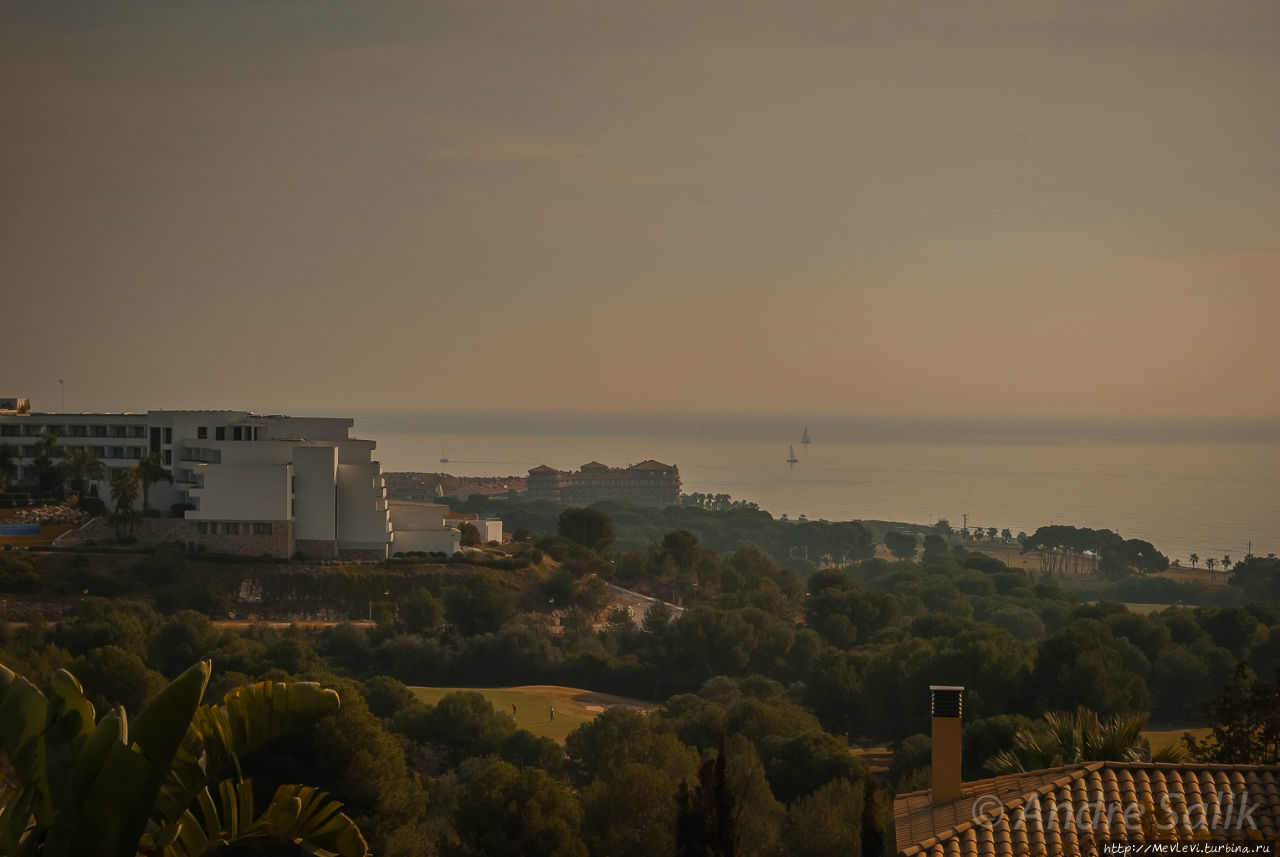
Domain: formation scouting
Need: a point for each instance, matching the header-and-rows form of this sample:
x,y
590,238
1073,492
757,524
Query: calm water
x,y
1186,486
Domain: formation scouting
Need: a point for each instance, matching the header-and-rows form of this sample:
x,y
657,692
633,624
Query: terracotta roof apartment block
x,y
649,483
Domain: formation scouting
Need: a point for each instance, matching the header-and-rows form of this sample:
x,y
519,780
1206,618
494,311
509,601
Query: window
x,y
231,528
135,452
168,457
220,433
202,432
168,435
115,452
237,433
202,528
262,529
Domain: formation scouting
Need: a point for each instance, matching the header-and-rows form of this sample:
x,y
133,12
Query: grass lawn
x,y
877,757
534,703
1145,609
1163,736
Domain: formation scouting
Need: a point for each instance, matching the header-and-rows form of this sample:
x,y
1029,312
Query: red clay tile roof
x,y
1072,809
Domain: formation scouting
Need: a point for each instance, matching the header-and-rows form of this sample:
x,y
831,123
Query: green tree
x,y
470,535
621,736
89,786
630,812
421,612
479,605
657,617
1082,665
463,724
505,811
682,547
1244,722
934,545
150,471
1195,558
590,528
731,810
113,677
1259,577
800,765
829,821
900,544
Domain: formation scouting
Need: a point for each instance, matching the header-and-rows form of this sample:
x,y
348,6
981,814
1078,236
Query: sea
x,y
1204,486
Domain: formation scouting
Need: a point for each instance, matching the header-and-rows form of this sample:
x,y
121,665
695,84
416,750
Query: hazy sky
x,y
762,207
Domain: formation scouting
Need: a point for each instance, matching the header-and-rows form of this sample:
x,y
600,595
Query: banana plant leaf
x,y
300,815
120,796
248,717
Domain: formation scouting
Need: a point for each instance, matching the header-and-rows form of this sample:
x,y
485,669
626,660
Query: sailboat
x,y
443,458
806,439
791,459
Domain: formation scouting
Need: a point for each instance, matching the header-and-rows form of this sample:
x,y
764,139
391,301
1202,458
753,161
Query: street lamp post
x,y
62,385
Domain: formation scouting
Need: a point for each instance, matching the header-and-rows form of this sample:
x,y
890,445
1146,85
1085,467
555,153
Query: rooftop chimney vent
x,y
947,701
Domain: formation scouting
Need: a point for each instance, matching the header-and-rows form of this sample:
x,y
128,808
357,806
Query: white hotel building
x,y
251,484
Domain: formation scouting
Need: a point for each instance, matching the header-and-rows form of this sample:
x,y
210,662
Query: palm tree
x,y
80,466
7,455
150,470
156,785
1195,558
1226,562
125,488
1065,739
47,453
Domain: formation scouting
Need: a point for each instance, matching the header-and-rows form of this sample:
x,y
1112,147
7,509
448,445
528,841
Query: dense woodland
x,y
759,687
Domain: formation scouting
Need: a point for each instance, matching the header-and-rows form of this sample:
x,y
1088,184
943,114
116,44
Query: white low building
x,y
249,484
490,529
418,526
